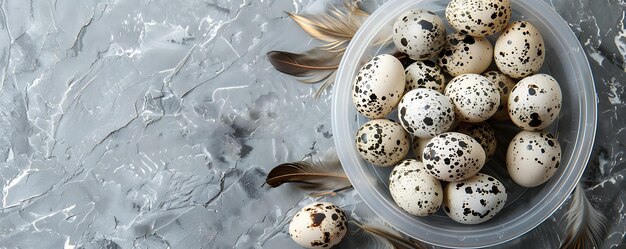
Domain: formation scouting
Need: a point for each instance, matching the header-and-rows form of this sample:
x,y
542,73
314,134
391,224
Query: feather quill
x,y
393,239
325,177
585,225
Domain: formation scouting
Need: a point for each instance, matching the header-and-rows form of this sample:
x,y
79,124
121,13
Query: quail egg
x,y
414,190
475,98
535,102
453,156
382,142
478,17
424,74
474,200
425,112
419,34
519,50
378,86
464,54
532,158
318,225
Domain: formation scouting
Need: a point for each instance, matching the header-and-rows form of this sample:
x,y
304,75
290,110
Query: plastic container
x,y
526,208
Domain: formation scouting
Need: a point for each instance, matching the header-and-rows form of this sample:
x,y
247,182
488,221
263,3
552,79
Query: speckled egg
x,y
483,134
478,17
417,145
535,102
382,142
318,225
414,190
464,54
519,50
419,34
425,113
474,200
532,158
424,74
504,84
453,156
475,98
378,86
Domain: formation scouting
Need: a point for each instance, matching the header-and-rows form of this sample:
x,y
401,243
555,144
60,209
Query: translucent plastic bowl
x,y
526,208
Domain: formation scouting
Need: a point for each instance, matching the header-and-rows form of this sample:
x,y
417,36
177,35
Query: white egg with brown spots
x,y
318,225
419,34
532,158
474,200
519,51
414,190
535,102
425,113
475,98
417,146
382,142
424,74
478,17
504,84
378,86
483,133
465,54
453,156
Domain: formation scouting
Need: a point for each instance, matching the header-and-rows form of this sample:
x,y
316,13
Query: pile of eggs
x,y
445,122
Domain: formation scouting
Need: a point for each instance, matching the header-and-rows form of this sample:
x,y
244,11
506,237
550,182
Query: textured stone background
x,y
152,124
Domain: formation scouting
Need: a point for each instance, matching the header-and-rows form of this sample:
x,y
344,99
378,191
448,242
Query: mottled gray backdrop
x,y
152,124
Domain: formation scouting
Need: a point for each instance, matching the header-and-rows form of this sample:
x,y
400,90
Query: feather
x,y
335,27
308,64
326,177
585,226
393,239
313,66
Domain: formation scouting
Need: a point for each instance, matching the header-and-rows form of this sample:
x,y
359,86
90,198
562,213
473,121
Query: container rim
x,y
582,145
